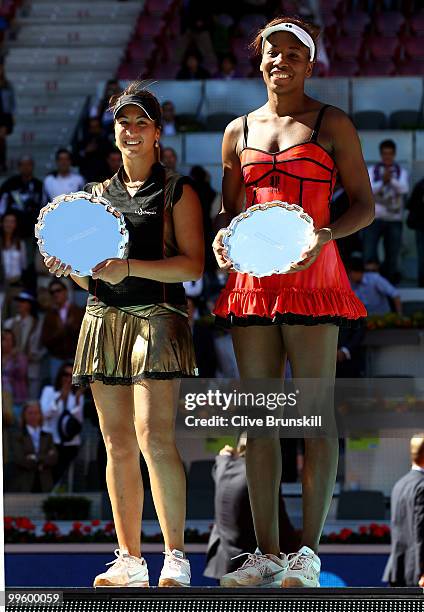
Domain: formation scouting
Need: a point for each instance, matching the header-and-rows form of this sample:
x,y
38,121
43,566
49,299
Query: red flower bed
x,y
22,530
367,534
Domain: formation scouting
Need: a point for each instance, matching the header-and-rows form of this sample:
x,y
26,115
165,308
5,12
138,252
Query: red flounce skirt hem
x,y
304,302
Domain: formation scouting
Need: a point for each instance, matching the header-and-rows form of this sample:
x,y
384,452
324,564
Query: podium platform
x,y
215,599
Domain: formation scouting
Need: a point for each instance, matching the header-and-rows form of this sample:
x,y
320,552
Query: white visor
x,y
300,33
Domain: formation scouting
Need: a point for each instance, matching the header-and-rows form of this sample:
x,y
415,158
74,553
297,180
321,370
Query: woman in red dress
x,y
291,149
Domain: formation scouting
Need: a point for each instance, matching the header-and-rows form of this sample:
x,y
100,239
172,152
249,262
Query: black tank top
x,y
148,217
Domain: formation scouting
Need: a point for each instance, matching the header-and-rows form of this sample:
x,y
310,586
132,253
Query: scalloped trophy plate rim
x,y
48,209
258,209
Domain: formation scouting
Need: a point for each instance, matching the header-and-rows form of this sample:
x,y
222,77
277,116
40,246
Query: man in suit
x,y
33,453
406,563
233,532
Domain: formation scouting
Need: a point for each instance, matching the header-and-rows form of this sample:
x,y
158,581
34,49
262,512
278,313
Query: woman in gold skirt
x,y
135,342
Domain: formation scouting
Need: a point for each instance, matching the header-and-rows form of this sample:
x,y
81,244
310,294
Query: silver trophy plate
x,y
267,238
81,230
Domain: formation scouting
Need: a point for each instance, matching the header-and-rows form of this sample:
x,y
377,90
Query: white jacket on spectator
x,y
52,407
389,197
56,184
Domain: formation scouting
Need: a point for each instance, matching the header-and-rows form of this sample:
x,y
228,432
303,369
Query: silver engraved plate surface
x,y
267,238
81,230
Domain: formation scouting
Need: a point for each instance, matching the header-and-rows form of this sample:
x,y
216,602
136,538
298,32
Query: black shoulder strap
x,y
245,131
315,132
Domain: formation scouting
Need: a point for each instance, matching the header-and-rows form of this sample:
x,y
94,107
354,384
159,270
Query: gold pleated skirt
x,y
124,346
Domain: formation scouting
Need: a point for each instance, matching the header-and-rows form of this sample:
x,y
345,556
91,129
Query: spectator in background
x,y
7,110
169,119
350,353
196,36
63,180
14,371
233,532
390,183
114,162
26,327
207,197
22,195
373,289
202,328
339,205
8,421
112,165
192,69
405,566
227,68
415,221
169,158
112,88
61,327
93,150
33,453
13,261
221,31
57,402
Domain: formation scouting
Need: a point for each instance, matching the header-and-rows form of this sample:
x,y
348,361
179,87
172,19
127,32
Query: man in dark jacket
x,y
406,563
233,532
33,453
415,221
61,327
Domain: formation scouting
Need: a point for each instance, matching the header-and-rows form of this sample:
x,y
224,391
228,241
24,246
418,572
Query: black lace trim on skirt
x,y
83,380
289,318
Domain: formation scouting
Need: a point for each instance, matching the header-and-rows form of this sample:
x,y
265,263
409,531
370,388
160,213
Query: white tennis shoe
x,y
176,570
257,571
303,569
125,571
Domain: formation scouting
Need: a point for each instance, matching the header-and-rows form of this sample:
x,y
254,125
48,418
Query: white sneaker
x,y
176,570
257,571
303,569
126,571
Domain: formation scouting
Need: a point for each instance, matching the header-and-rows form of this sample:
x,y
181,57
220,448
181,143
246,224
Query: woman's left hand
x,y
111,271
320,238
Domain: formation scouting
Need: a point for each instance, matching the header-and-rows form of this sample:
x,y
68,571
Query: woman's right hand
x,y
57,267
220,251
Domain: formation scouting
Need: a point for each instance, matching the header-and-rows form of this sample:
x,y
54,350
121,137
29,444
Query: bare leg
x,y
316,359
155,426
260,354
115,408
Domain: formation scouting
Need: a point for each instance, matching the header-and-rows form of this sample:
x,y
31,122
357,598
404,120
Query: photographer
x,y
390,183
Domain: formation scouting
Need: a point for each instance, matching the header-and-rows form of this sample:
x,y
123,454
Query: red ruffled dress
x,y
302,174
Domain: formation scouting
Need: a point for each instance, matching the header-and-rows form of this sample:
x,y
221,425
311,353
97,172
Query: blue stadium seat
x,y
236,97
404,143
330,91
186,95
203,148
370,120
387,95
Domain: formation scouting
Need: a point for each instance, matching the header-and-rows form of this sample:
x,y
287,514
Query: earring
x,y
156,143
